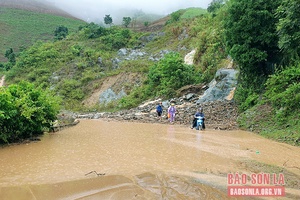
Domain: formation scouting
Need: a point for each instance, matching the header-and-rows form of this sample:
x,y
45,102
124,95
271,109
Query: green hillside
x,y
262,41
21,28
75,59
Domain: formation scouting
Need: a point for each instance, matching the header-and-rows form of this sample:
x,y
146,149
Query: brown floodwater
x,y
99,159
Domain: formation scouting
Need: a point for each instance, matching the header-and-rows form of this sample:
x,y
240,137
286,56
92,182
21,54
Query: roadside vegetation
x,y
261,38
25,112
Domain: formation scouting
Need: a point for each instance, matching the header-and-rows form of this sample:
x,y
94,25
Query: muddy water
x,y
121,160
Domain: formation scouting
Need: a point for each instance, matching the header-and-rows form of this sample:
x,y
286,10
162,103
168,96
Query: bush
x,y
60,32
283,90
169,74
25,111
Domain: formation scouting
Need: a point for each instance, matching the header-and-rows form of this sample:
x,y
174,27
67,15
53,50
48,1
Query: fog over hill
x,y
42,6
95,10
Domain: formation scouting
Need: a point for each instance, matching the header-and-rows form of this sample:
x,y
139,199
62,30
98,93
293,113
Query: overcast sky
x,y
89,10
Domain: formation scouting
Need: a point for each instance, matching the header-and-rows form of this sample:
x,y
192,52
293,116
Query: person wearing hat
x,y
171,112
199,113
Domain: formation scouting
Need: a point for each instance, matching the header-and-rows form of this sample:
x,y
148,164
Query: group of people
x,y
172,113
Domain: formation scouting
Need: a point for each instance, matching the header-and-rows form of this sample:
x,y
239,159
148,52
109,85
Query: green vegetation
x,y
21,28
70,66
108,20
163,76
61,32
126,21
261,38
280,87
256,56
288,14
192,13
25,112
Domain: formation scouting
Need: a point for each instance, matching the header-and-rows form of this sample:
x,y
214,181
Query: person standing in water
x,y
159,110
171,112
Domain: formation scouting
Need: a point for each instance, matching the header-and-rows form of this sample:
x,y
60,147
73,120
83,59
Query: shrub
x,y
169,74
283,90
25,111
60,32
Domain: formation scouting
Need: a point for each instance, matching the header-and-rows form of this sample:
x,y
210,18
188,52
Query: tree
x,y
126,21
10,55
60,32
251,35
108,20
25,111
215,5
169,74
288,29
252,41
175,16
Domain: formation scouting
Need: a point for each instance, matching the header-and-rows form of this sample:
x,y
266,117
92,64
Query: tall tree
x,y
215,5
250,29
252,41
126,21
288,29
108,20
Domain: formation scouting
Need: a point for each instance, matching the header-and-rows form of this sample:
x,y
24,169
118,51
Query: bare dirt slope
x,y
2,81
154,26
116,83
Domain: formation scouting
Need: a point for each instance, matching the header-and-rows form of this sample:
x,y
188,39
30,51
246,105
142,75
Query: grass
x,y
21,28
193,12
262,120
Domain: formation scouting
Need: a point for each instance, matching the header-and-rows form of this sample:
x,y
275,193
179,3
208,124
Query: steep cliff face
x,y
222,87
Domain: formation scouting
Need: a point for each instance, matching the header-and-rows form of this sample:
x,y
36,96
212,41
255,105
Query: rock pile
x,y
216,100
219,114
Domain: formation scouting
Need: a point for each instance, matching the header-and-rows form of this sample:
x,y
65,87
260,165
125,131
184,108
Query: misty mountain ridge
x,y
44,6
36,6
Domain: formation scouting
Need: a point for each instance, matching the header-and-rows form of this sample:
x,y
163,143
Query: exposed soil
x,y
122,81
2,81
154,26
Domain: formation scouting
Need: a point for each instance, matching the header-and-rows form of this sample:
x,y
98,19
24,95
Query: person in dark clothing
x,y
199,113
159,110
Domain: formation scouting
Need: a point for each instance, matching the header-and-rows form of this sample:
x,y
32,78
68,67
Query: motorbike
x,y
199,123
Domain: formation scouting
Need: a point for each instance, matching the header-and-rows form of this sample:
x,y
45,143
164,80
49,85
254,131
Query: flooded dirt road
x,y
98,159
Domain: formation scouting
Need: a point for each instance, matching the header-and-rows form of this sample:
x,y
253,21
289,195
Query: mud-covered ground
x,y
109,159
